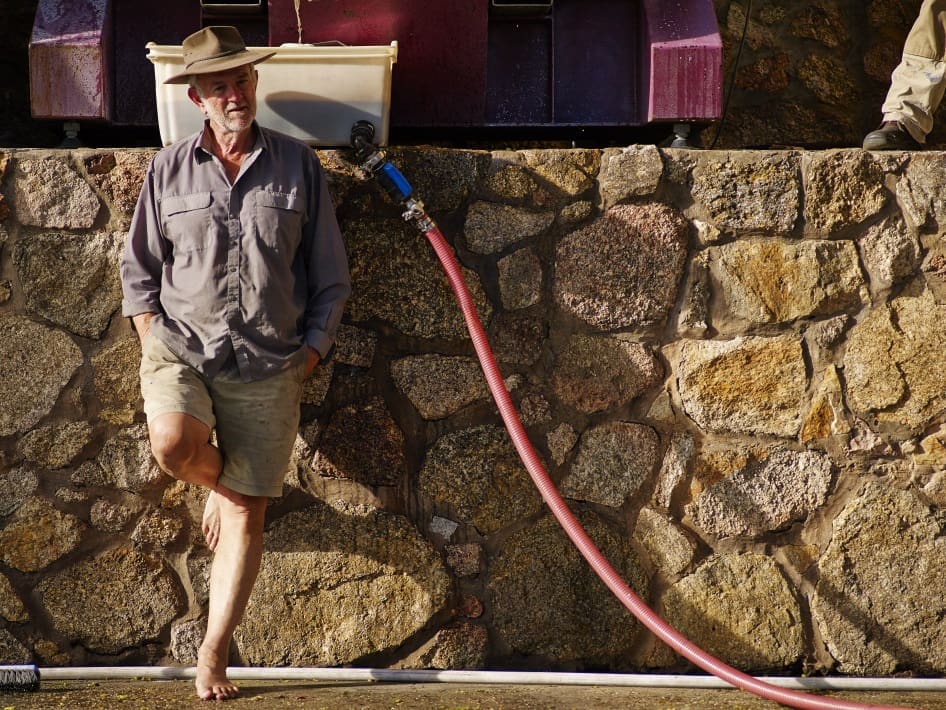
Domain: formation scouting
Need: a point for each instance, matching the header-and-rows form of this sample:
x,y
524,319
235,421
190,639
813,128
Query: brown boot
x,y
891,136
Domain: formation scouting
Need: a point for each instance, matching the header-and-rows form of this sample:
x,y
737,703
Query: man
x,y
917,84
235,277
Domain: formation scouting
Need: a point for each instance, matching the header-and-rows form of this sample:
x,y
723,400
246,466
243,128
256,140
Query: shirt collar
x,y
202,155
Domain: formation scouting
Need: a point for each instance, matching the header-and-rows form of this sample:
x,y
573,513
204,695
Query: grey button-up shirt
x,y
241,277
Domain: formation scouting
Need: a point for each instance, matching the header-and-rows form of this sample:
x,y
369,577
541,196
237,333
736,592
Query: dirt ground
x,y
279,695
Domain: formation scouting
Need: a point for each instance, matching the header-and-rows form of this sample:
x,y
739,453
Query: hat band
x,y
222,55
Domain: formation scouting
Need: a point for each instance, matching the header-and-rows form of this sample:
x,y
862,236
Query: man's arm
x,y
142,261
328,278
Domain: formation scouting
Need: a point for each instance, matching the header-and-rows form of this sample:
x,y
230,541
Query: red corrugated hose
x,y
577,534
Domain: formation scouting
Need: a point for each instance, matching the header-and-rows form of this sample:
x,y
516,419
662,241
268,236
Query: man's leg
x,y
916,90
916,85
233,573
233,524
256,425
181,446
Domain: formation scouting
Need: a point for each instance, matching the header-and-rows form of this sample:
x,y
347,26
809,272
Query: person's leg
x,y
256,424
916,91
233,573
180,415
180,419
916,85
181,445
927,36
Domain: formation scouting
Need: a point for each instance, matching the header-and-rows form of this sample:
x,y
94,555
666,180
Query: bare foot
x,y
212,682
210,524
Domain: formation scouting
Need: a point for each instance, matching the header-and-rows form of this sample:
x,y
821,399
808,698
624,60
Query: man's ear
x,y
195,97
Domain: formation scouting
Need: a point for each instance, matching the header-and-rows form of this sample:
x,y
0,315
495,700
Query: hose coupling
x,y
416,213
374,161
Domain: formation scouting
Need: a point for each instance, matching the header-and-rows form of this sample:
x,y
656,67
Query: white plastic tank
x,y
312,92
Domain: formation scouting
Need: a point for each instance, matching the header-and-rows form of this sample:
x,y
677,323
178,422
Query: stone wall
x,y
730,362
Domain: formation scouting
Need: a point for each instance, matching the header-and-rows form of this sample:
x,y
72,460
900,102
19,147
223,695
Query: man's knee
x,y
176,440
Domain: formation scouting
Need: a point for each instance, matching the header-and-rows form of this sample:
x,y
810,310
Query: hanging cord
x,y
732,78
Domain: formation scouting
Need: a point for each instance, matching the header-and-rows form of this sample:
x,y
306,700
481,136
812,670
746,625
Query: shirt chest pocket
x,y
186,221
279,220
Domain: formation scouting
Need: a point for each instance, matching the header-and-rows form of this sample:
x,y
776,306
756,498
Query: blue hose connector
x,y
373,159
394,182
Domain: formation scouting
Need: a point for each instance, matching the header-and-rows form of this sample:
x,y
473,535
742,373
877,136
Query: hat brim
x,y
210,66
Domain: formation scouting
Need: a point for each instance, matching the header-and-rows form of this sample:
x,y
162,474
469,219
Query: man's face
x,y
227,98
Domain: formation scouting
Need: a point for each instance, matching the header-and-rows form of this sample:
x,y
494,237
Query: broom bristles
x,y
23,679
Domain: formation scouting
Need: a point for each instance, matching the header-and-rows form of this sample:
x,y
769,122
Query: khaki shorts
x,y
255,422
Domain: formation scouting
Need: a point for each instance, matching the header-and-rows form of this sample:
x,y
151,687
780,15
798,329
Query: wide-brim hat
x,y
213,49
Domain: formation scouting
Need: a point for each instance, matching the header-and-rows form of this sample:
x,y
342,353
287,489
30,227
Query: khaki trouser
x,y
918,82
